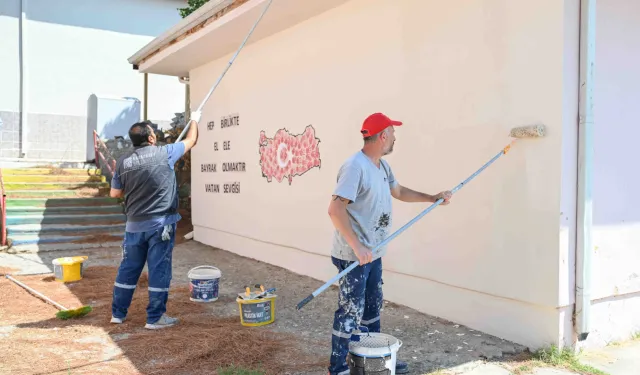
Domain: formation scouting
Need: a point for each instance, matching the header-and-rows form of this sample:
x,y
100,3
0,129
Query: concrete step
x,y
28,210
9,186
50,171
41,239
39,248
22,163
63,229
52,178
84,192
61,202
65,219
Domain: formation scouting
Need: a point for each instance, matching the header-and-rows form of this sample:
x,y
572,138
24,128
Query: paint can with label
x,y
204,283
372,353
257,309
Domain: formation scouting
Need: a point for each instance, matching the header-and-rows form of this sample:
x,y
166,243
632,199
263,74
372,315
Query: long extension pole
x,y
184,132
404,227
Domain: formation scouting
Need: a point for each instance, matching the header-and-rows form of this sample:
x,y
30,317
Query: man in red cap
x,y
361,214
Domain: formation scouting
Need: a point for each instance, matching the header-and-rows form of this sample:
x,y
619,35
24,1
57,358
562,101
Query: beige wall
x,y
459,77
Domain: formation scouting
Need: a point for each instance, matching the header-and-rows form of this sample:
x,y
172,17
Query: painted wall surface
x,y
459,78
75,48
616,203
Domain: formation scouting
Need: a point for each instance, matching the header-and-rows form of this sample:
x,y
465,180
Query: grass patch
x,y
523,369
233,370
564,358
635,336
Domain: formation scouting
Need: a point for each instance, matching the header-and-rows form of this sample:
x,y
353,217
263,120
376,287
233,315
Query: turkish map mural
x,y
287,155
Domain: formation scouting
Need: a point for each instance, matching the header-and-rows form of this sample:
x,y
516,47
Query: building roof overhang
x,y
217,29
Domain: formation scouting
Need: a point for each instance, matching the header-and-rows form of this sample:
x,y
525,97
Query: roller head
x,y
533,131
75,313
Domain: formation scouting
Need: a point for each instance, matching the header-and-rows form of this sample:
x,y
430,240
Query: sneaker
x,y
402,367
115,320
163,322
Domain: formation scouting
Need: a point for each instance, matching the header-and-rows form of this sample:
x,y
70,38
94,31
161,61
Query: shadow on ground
x,y
209,335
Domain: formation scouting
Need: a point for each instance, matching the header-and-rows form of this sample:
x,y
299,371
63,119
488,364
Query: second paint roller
x,y
524,132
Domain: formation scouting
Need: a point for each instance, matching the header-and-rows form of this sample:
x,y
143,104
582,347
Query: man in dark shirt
x,y
146,179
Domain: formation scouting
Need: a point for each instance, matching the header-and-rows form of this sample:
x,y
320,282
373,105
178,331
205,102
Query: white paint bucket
x,y
204,283
373,353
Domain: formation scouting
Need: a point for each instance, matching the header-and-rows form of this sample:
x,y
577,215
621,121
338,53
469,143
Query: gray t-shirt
x,y
369,189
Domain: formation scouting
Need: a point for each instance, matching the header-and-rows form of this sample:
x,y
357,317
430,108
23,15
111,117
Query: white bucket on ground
x,y
204,282
379,347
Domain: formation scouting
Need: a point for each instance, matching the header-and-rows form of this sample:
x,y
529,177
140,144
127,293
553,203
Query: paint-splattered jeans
x,y
359,304
138,248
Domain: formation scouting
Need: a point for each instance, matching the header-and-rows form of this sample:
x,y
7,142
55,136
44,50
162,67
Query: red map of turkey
x,y
286,155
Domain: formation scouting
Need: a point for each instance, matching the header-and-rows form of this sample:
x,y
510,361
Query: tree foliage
x,y
192,5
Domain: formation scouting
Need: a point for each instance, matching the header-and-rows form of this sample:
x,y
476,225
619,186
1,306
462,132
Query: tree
x,y
192,5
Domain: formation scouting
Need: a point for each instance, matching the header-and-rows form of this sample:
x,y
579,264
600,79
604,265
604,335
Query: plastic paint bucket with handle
x,y
373,353
257,309
69,269
204,283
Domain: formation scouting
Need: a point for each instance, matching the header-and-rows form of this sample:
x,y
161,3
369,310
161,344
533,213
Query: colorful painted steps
x,y
39,248
8,186
53,178
50,171
62,202
52,209
64,219
64,229
39,239
93,192
27,210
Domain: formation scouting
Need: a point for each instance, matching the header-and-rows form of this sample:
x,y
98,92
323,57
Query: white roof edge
x,y
200,15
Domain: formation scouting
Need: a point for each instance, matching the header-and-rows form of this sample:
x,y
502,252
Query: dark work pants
x,y
138,249
359,304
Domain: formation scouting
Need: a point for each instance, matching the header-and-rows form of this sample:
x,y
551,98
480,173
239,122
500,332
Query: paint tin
x,y
204,283
373,353
69,269
256,312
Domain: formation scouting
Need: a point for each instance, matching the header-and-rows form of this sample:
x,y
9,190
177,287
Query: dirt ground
x,y
210,334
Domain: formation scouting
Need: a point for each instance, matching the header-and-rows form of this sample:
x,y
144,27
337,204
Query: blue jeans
x,y
138,249
359,304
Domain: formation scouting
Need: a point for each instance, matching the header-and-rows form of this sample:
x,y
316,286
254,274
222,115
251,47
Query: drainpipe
x,y
584,246
23,79
146,95
187,95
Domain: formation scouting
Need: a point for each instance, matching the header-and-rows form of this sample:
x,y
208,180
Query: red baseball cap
x,y
376,123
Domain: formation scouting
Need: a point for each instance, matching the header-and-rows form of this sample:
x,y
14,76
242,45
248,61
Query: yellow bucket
x,y
257,312
69,269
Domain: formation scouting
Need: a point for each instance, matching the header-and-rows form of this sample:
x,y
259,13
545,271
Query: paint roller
x,y
523,132
206,98
64,312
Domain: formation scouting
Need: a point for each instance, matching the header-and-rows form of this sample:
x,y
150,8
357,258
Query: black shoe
x,y
402,367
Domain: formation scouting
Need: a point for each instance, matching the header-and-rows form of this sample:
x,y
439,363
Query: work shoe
x,y
402,367
163,322
115,320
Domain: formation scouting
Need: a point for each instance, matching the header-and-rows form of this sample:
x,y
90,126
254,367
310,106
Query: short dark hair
x,y
371,139
139,134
